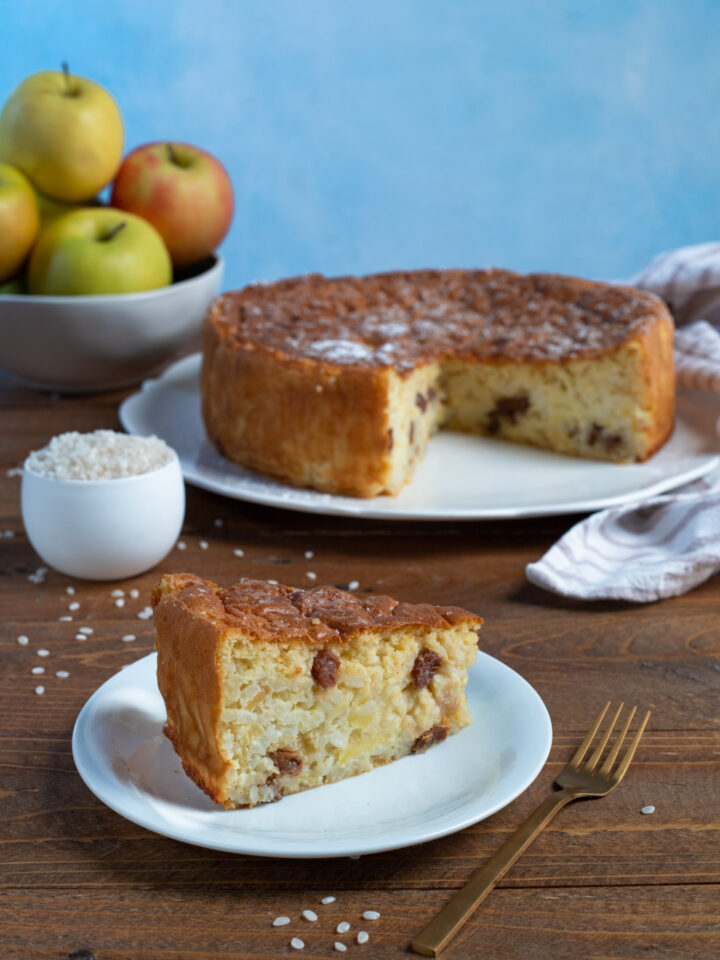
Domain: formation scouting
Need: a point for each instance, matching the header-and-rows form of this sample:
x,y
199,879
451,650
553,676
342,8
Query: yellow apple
x,y
50,209
19,220
98,250
64,132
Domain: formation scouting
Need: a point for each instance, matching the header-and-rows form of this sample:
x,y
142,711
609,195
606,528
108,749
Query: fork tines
x,y
605,771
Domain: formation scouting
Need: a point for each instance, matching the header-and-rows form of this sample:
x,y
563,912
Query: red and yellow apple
x,y
64,132
19,220
183,191
98,250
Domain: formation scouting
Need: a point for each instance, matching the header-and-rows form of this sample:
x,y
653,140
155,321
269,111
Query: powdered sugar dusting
x,y
341,351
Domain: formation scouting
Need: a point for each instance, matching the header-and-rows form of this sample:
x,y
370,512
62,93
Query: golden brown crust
x,y
405,319
271,612
189,678
656,345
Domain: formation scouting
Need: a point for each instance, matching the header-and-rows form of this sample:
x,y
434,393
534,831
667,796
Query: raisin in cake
x,y
271,690
339,384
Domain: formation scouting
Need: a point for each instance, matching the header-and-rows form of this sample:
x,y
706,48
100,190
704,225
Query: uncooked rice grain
x,y
100,455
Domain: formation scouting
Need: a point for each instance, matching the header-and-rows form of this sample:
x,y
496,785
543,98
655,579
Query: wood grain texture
x,y
602,882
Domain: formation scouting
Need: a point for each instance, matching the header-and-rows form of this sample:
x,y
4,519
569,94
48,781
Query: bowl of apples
x,y
97,295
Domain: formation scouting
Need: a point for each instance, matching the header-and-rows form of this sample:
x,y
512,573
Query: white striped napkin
x,y
667,545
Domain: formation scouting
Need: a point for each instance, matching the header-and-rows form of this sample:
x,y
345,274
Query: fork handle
x,y
437,934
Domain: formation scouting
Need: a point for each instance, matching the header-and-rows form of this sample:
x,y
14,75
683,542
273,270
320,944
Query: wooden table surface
x,y
603,881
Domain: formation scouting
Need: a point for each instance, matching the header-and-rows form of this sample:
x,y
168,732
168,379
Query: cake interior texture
x,y
340,384
271,691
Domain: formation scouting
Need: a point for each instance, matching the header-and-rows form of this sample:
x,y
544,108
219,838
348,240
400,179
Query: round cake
x,y
338,384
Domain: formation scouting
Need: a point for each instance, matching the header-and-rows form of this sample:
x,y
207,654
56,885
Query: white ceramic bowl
x,y
86,344
104,529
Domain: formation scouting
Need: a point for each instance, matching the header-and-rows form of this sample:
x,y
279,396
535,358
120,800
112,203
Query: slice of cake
x,y
271,690
339,384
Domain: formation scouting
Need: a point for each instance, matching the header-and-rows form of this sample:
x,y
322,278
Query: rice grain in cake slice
x,y
270,690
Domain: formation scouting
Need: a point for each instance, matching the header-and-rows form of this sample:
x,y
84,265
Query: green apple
x,y
19,220
98,250
15,285
64,132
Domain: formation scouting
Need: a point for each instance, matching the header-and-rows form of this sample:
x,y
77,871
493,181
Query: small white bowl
x,y
86,344
104,529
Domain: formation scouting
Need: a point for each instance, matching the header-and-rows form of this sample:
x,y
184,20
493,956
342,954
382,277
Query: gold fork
x,y
577,780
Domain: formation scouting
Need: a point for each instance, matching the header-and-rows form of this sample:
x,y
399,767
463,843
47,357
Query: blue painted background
x,y
573,136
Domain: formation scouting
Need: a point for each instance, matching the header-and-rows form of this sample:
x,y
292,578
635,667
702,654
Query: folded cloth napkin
x,y
640,552
667,545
